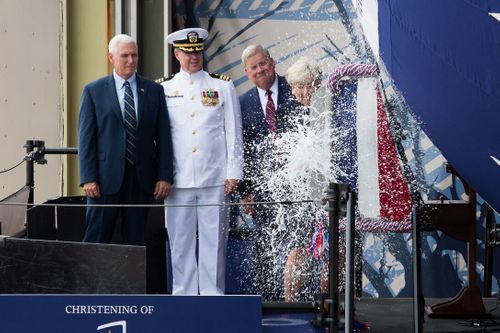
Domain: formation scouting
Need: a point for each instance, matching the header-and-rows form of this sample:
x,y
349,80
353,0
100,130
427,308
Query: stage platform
x,y
387,315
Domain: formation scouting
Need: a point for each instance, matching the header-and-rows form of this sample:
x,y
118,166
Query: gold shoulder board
x,y
164,78
220,76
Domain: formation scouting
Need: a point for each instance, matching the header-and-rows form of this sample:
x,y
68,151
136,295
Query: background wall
x,y
50,49
88,31
31,90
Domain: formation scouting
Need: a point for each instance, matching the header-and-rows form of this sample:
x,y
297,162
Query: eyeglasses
x,y
259,65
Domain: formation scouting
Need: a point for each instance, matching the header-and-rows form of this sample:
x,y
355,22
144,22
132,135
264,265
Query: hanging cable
x,y
12,168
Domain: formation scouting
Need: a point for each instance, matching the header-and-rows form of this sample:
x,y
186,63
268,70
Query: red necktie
x,y
270,112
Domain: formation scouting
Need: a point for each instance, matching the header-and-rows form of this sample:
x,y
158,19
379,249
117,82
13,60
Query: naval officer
x,y
206,131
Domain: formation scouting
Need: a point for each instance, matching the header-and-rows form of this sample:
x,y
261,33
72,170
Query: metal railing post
x,y
349,264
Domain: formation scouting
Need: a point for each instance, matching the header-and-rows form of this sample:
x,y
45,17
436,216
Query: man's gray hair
x,y
118,39
252,50
304,70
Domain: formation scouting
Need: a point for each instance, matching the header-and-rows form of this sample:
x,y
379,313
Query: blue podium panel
x,y
130,314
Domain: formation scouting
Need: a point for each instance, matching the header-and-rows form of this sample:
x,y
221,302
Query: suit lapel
x,y
141,95
259,119
115,104
286,106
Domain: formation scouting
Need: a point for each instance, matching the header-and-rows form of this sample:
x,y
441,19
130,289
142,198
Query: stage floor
x,y
387,315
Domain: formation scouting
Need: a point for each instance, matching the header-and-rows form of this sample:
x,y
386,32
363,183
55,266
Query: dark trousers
x,y
101,220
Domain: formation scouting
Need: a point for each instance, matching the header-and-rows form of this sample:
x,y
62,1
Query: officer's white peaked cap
x,y
188,40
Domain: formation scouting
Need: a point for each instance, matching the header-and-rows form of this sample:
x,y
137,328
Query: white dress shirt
x,y
274,95
120,91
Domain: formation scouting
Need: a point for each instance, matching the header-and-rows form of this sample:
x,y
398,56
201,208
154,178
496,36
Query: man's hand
x,y
231,185
162,189
248,199
92,190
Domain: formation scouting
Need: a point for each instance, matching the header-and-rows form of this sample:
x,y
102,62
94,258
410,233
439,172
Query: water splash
x,y
295,165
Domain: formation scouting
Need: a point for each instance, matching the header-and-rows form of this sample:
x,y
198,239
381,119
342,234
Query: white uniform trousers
x,y
206,275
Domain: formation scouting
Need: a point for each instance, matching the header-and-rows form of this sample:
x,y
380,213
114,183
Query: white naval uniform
x,y
208,149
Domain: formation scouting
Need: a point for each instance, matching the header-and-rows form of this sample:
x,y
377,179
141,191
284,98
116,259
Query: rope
x,y
12,168
353,70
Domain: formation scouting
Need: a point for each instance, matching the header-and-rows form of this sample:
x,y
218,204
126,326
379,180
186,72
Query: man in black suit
x,y
267,110
124,146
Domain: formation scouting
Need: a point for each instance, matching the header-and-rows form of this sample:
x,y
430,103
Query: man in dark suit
x,y
124,146
267,110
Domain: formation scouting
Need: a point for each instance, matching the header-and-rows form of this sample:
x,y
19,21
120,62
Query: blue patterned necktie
x,y
130,123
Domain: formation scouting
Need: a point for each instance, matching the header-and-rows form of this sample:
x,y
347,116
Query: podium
x,y
130,313
60,267
67,223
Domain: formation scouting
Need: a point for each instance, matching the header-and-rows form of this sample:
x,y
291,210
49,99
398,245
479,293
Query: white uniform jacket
x,y
205,120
